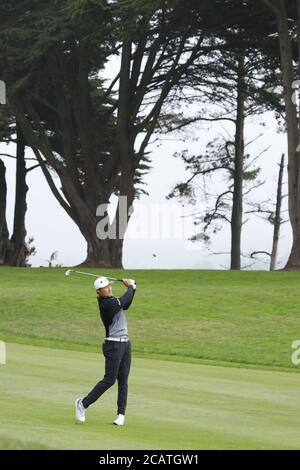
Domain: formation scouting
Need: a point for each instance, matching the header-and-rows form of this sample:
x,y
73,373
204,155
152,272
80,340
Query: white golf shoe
x,y
80,411
120,421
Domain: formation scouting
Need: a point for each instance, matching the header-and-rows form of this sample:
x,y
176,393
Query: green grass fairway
x,y
171,405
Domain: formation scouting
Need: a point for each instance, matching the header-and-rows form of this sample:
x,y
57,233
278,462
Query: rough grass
x,y
248,318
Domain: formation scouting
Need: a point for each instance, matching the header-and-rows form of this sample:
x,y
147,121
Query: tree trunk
x,y
125,148
18,250
286,56
4,235
293,136
237,206
98,250
98,255
277,220
116,250
111,250
120,224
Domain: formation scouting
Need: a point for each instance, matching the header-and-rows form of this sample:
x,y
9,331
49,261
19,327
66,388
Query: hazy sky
x,y
157,225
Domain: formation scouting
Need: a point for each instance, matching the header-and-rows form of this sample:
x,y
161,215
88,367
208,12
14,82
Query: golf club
x,y
69,271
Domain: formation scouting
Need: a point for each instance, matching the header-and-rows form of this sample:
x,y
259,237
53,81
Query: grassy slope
x,y
241,317
249,318
171,405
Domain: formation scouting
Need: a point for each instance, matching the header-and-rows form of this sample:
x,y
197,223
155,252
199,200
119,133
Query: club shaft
x,y
86,274
96,275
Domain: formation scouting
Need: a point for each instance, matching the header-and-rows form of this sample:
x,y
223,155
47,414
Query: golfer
x,y
116,347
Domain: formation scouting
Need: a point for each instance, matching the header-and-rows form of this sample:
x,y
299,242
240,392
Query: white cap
x,y
101,282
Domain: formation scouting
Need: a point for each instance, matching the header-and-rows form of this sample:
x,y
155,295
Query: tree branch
x,y
34,143
216,210
12,156
33,167
197,119
107,93
252,255
273,6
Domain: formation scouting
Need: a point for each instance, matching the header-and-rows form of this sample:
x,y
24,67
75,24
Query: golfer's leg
x,y
123,379
112,364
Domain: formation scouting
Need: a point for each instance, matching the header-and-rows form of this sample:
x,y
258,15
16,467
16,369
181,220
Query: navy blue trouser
x,y
117,367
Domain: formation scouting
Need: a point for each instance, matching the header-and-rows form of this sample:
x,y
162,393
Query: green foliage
x,y
30,250
53,55
7,125
251,175
183,192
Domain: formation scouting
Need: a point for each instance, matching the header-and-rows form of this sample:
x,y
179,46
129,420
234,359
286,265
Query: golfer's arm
x,y
126,298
